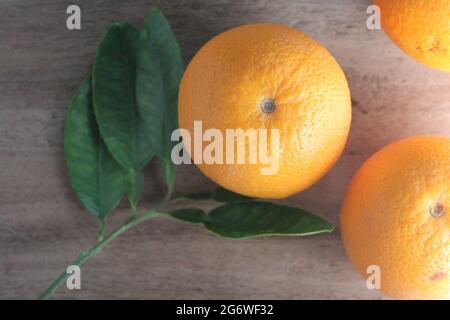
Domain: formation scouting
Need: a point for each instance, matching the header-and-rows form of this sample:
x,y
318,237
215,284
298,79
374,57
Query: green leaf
x,y
96,178
160,68
114,91
257,218
224,195
189,215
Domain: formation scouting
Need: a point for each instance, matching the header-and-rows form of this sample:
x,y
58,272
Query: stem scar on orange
x,y
420,27
269,76
396,215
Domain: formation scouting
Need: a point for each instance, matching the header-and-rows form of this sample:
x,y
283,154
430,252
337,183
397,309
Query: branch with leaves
x,y
122,116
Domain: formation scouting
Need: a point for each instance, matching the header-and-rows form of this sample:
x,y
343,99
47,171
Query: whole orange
x,y
420,27
268,76
396,215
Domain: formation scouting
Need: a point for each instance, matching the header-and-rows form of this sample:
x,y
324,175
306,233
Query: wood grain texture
x,y
43,227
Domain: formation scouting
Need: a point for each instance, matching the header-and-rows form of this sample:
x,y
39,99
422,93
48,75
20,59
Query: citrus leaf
x,y
96,178
224,195
160,68
257,218
114,91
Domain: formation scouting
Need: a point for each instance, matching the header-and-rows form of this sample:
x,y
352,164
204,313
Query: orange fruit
x,y
268,76
419,27
396,215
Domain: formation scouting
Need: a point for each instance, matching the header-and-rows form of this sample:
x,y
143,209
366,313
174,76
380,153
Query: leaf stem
x,y
94,250
101,231
133,211
168,195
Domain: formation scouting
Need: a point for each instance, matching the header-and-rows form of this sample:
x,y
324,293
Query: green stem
x,y
133,211
177,199
101,231
168,194
94,250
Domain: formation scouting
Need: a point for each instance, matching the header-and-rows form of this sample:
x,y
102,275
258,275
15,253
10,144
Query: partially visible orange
x,y
420,27
236,74
396,215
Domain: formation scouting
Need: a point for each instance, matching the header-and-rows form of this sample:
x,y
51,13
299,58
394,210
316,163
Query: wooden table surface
x,y
43,227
